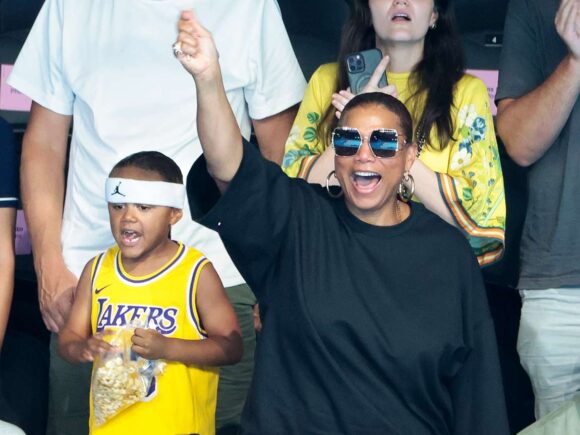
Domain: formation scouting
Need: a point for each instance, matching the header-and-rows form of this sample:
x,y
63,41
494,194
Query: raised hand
x,y
568,25
148,343
195,48
340,99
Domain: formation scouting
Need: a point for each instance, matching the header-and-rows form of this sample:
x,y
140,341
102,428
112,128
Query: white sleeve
x,y
278,80
38,71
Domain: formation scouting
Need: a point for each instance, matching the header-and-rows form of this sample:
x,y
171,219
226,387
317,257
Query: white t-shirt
x,y
110,64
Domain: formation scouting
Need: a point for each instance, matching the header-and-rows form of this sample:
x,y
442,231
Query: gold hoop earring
x,y
328,187
406,193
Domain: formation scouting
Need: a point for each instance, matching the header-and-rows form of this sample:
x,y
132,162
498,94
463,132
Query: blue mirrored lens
x,y
384,143
346,142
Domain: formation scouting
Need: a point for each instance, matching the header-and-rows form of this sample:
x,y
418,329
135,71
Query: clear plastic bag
x,y
120,377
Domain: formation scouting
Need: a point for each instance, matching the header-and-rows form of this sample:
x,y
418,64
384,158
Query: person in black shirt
x,y
375,319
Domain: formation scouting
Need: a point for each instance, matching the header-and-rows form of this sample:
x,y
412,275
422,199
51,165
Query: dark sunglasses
x,y
384,142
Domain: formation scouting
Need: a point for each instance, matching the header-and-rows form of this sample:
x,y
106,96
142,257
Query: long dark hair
x,y
434,76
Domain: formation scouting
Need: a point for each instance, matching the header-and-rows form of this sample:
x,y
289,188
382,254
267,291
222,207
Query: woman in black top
x,y
375,319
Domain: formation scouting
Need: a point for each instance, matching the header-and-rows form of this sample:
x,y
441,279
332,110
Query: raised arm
x,y
522,122
42,178
217,128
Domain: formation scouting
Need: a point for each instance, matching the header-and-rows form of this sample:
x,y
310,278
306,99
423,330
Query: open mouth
x,y
365,181
401,16
130,237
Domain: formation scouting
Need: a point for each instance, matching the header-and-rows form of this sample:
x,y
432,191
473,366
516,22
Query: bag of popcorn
x,y
120,377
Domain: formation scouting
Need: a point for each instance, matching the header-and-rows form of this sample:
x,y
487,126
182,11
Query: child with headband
x,y
172,288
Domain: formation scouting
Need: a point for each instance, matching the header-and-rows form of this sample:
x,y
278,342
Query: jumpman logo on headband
x,y
116,191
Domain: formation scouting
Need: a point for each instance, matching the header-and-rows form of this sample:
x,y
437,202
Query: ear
x,y
411,155
434,17
176,215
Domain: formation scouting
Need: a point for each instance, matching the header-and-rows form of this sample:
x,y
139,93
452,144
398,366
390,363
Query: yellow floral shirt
x,y
468,169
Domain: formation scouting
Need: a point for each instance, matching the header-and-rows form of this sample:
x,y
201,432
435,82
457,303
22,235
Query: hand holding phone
x,y
364,76
366,67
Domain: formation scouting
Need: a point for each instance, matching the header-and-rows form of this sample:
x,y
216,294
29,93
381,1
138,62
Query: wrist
x,y
167,349
72,351
573,62
209,80
48,258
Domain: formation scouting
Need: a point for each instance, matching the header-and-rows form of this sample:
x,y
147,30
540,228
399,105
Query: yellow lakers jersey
x,y
181,400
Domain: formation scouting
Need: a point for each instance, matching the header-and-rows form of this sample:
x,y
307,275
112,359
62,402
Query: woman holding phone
x,y
458,173
375,319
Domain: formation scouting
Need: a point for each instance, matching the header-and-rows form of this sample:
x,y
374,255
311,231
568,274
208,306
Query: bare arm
x,y
522,122
323,166
223,344
217,128
7,226
272,133
427,191
42,178
76,342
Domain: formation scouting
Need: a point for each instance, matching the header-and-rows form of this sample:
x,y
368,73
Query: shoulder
x,y
96,262
193,255
322,83
109,254
436,232
525,9
327,72
469,85
69,6
255,11
471,94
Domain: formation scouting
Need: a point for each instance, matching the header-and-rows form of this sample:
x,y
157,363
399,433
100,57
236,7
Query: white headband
x,y
128,191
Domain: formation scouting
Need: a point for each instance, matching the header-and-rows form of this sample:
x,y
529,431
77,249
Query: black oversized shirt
x,y
366,330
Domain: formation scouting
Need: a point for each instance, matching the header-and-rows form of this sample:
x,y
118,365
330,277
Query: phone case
x,y
360,67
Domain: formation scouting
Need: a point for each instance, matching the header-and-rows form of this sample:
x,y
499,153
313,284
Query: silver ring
x,y
177,48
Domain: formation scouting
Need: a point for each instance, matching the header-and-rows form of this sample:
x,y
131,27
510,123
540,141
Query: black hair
x,y
152,161
388,102
434,77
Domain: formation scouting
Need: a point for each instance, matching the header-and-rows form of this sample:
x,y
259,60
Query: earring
x,y
433,26
406,193
328,187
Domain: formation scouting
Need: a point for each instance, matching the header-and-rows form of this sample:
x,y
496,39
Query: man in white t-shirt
x,y
109,67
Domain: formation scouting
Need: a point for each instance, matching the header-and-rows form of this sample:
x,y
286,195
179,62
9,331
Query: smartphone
x,y
360,67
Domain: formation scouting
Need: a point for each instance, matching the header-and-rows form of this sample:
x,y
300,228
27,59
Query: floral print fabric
x,y
468,169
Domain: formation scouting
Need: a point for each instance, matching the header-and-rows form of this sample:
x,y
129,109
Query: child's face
x,y
141,230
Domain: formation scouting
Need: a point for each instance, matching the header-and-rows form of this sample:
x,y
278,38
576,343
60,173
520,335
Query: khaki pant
x,y
235,380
